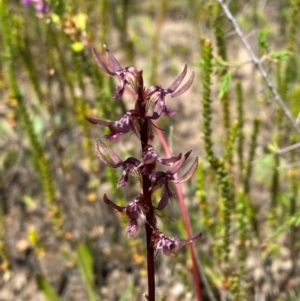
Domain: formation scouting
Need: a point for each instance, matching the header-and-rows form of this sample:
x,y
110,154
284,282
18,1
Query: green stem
x,y
42,162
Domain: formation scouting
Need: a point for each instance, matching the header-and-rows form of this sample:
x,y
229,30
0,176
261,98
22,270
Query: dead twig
x,y
260,68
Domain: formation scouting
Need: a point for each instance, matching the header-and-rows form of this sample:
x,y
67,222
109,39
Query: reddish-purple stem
x,y
185,218
150,214
149,230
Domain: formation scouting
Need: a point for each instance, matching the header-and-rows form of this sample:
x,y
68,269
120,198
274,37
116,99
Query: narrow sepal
x,y
177,165
163,201
185,87
188,174
170,161
178,80
98,121
112,204
166,197
116,160
100,63
113,63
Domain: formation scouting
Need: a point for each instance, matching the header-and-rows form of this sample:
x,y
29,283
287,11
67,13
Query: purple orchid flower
x,y
133,210
155,95
131,166
162,179
117,128
150,158
170,245
128,76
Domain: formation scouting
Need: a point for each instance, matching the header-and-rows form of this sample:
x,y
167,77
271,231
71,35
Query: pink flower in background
x,y
40,5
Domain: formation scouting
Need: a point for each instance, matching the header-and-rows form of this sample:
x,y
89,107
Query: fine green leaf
x,y
292,221
85,264
279,55
225,84
46,288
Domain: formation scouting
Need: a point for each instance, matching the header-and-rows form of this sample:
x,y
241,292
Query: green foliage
x,y
85,263
46,288
206,101
279,55
289,223
252,147
224,85
40,158
240,126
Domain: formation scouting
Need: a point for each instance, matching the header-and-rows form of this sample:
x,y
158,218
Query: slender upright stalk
x,y
149,106
150,219
187,224
41,160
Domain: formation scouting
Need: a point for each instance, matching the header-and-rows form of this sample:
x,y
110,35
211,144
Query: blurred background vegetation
x,y
59,241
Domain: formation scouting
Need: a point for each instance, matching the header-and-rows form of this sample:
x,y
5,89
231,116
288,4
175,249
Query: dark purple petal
x,y
136,208
177,165
123,180
100,62
119,90
164,243
135,126
128,122
113,136
185,87
133,210
170,245
98,121
163,201
154,116
116,131
131,166
158,101
112,204
170,161
133,227
178,80
173,245
188,174
169,191
168,112
182,243
122,126
161,107
158,175
150,156
160,178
